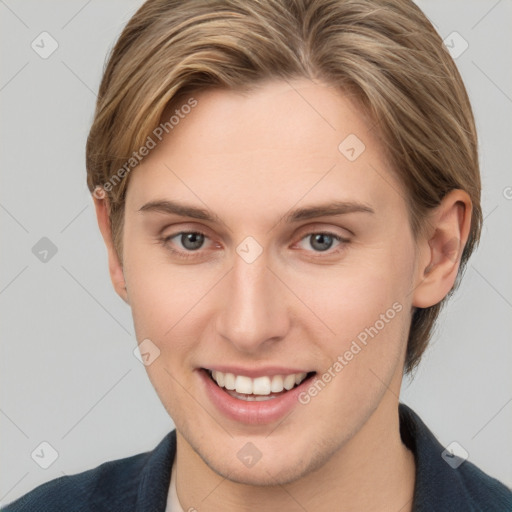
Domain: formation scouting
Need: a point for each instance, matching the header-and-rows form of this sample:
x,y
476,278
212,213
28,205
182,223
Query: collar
x,y
441,486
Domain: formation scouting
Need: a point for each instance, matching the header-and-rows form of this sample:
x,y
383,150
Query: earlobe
x,y
441,251
115,267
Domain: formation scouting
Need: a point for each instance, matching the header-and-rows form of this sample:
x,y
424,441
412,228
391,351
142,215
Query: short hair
x,y
383,53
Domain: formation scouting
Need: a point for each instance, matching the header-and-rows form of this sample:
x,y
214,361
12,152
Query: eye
x,y
191,241
323,241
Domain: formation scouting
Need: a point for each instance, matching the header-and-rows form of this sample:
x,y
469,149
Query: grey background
x,y
68,373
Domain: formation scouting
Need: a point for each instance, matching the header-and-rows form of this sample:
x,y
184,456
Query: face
x,y
260,292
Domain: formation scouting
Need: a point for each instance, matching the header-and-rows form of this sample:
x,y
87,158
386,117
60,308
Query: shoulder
x,y
488,493
113,485
75,492
445,481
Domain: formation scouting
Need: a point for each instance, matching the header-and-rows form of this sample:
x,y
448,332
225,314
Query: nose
x,y
253,311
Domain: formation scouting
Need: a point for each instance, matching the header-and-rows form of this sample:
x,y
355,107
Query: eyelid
x,y
325,228
306,232
318,227
167,238
342,241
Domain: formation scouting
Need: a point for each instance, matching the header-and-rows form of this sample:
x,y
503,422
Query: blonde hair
x,y
385,52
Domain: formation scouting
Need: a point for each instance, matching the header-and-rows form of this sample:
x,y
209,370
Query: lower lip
x,y
254,413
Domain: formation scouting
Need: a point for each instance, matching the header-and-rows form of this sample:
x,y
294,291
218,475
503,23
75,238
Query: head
x,y
250,111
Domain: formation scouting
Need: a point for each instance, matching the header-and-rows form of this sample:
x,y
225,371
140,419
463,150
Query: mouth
x,y
258,389
254,397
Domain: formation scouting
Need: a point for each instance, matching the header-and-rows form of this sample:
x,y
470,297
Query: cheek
x,y
355,295
365,311
155,293
161,298
173,306
342,301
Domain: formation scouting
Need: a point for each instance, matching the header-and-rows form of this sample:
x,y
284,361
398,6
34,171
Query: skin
x,y
249,159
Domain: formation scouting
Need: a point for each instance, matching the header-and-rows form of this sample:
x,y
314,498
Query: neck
x,y
373,472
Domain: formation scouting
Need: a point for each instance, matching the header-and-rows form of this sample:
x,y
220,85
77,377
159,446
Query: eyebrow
x,y
306,213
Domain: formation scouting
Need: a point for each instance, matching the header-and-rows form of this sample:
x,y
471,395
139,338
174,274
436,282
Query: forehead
x,y
281,144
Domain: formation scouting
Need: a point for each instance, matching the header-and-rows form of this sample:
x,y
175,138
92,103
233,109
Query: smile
x,y
258,389
255,399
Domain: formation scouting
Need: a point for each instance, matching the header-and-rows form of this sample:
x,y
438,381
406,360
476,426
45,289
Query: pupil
x,y
196,240
321,238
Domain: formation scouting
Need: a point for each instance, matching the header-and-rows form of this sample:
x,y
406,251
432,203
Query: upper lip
x,y
267,371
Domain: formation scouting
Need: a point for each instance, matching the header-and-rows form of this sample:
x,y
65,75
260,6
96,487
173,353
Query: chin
x,y
274,473
274,469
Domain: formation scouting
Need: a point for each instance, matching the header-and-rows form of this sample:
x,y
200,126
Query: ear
x,y
115,267
440,249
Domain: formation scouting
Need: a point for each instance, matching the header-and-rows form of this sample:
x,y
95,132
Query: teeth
x,y
229,381
243,385
276,386
289,382
259,386
252,398
219,377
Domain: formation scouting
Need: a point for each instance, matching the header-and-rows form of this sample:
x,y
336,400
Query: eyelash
x,y
186,255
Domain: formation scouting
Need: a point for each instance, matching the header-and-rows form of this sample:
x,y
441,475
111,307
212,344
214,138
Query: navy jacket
x,y
140,483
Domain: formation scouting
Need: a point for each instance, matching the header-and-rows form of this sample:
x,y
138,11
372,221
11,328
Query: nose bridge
x,y
252,312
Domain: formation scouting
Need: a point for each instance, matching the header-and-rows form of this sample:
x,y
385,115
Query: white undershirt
x,y
173,503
